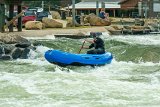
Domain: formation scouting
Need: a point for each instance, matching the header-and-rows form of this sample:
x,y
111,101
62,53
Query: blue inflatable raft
x,y
65,58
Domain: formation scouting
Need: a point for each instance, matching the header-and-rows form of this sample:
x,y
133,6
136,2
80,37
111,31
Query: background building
x,y
115,8
119,8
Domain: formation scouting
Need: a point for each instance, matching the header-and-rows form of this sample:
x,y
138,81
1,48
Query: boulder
x,y
1,50
5,57
36,43
138,27
25,53
64,23
70,23
55,15
11,38
51,23
23,44
16,53
32,25
114,30
152,24
118,27
8,48
96,21
139,22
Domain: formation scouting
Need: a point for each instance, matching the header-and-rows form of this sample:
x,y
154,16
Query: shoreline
x,y
59,31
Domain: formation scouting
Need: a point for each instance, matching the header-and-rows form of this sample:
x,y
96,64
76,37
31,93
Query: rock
x,y
70,23
5,57
55,15
118,27
36,43
25,53
96,21
64,23
138,27
11,38
32,48
127,27
51,23
139,22
152,24
32,25
114,30
1,50
23,45
153,29
8,48
80,34
16,53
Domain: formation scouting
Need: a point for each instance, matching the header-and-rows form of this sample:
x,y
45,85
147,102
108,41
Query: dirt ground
x,y
58,31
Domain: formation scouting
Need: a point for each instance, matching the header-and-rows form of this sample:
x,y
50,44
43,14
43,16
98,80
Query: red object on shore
x,y
29,15
28,18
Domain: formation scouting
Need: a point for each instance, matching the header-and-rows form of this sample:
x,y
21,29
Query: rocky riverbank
x,y
76,32
13,46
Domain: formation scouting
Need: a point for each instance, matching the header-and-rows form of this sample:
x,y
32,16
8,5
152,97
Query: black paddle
x,y
81,47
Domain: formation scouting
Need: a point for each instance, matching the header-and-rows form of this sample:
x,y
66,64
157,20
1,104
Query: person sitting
x,y
97,43
102,13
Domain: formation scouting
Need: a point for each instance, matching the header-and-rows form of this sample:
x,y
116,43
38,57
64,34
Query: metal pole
x,y
140,8
97,8
103,5
146,12
73,12
43,5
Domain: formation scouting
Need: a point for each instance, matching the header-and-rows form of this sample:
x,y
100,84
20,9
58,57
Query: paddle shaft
x,y
81,47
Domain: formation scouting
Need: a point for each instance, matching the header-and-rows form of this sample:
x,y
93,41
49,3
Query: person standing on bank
x,y
97,43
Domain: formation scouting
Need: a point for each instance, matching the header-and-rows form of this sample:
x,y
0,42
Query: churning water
x,y
131,80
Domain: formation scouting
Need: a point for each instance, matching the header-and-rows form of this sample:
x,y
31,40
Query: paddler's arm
x,y
90,41
85,47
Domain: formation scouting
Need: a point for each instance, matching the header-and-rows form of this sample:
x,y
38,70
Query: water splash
x,y
120,83
47,37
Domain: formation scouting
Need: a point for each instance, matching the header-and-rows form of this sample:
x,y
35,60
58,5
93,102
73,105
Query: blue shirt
x,y
102,15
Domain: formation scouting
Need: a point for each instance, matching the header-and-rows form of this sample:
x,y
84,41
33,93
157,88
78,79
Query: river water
x,y
131,80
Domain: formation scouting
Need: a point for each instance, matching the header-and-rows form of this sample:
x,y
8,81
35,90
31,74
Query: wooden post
x,y
73,12
11,12
2,17
97,8
20,18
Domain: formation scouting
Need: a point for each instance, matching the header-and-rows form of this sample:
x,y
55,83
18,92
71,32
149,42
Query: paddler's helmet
x,y
95,34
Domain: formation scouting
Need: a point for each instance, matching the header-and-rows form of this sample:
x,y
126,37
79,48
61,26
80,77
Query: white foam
x,y
49,37
141,39
40,51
